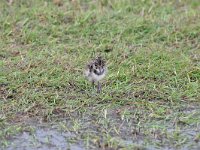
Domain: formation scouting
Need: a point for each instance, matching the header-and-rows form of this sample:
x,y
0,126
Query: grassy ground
x,y
151,95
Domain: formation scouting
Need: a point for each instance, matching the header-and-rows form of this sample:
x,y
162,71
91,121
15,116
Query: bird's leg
x,y
93,84
98,87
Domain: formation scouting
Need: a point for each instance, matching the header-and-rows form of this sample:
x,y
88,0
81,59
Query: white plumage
x,y
92,77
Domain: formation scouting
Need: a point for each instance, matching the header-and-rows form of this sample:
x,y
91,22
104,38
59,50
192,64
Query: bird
x,y
95,71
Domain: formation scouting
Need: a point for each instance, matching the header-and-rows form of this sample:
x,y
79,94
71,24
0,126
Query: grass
x,y
151,95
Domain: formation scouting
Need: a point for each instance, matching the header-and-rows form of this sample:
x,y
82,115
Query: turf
x,y
151,95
